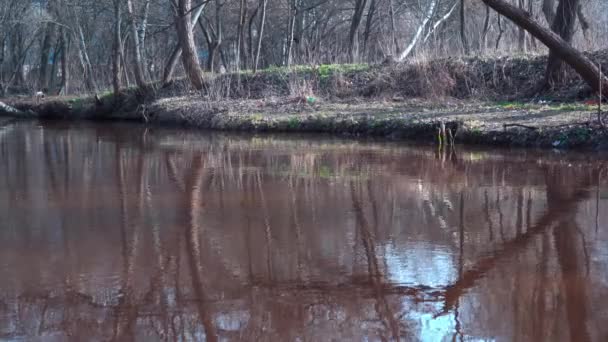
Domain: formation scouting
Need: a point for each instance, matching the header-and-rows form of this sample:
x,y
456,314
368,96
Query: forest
x,y
87,46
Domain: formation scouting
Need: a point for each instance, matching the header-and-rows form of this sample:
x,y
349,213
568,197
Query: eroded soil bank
x,y
484,101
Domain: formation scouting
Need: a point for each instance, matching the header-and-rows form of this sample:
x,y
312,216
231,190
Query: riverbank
x,y
482,101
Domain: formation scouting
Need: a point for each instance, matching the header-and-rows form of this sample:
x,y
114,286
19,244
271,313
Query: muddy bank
x,y
532,125
483,100
556,125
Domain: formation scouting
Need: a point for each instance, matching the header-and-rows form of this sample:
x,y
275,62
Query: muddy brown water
x,y
119,232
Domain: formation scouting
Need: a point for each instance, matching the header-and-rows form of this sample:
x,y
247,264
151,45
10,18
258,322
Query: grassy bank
x,y
484,101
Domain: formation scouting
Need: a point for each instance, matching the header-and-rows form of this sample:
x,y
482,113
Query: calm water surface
x,y
118,232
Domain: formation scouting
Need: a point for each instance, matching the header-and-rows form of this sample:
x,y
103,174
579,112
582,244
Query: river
x,y
122,232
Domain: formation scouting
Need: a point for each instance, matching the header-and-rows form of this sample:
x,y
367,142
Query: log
x,y
576,59
6,110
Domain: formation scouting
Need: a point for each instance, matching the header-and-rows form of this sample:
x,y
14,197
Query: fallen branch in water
x,y
6,110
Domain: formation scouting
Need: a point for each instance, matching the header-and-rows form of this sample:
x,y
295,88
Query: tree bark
x,y
65,77
549,10
564,25
85,61
486,29
240,29
293,11
137,59
116,84
414,41
583,65
177,51
463,32
521,34
256,62
391,12
353,44
185,36
45,51
368,23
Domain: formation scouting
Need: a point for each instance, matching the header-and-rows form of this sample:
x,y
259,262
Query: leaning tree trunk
x,y
185,36
563,25
578,61
177,50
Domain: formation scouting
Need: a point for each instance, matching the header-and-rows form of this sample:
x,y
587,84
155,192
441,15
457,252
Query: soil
x,y
481,101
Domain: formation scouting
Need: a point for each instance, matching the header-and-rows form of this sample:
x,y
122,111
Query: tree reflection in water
x,y
116,233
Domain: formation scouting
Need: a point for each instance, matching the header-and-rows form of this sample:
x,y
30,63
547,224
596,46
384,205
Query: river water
x,y
121,232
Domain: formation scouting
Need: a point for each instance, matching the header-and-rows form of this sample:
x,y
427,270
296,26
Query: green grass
x,y
567,107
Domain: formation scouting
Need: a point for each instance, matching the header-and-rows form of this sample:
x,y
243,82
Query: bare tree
x,y
183,22
137,43
353,38
559,47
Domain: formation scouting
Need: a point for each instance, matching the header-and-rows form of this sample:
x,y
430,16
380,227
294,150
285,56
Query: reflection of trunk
x,y
127,309
570,262
478,271
193,235
267,228
374,273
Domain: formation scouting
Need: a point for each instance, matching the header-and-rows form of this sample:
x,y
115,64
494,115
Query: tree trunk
x,y
391,13
549,10
353,44
250,35
414,41
65,77
486,29
521,34
45,50
563,24
368,23
177,51
85,61
256,63
185,35
583,66
116,84
239,41
293,10
137,60
463,33
582,19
